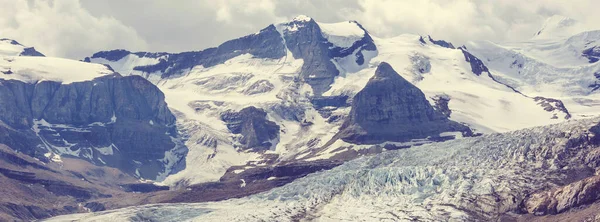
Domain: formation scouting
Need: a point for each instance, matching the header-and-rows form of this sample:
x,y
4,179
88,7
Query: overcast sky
x,y
78,28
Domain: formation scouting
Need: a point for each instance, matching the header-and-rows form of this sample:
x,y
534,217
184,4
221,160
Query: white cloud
x,y
463,20
63,28
78,28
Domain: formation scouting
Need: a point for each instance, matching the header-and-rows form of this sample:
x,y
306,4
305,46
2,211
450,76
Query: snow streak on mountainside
x,y
480,178
304,75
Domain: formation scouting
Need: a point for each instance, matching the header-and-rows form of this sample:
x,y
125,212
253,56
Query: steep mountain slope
x,y
52,107
482,178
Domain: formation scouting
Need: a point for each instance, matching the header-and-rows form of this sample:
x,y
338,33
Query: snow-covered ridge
x,y
9,47
35,69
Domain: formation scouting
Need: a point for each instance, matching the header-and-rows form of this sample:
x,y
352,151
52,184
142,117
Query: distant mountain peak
x,y
10,47
558,26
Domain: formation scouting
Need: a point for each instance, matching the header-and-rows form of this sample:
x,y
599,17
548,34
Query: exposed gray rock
x,y
441,104
420,63
251,123
390,108
308,43
592,54
564,198
441,43
125,115
477,65
551,105
260,86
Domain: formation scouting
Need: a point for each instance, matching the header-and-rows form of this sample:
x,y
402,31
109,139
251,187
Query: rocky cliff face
x,y
116,121
257,133
305,39
390,108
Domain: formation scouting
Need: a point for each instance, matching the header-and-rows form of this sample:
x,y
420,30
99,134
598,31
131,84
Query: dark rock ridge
x,y
308,43
592,54
251,123
550,105
477,65
265,44
116,121
595,86
329,101
390,108
366,43
441,43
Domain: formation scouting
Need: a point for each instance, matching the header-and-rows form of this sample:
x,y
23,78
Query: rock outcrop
x,y
477,65
257,133
116,121
441,43
390,108
564,198
592,54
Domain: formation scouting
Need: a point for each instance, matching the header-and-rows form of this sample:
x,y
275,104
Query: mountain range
x,y
307,120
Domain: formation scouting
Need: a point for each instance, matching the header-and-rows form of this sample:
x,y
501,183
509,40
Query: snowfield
x,y
477,178
34,69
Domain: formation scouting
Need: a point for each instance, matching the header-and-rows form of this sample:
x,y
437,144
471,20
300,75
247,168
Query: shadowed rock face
x,y
592,54
441,43
390,108
116,121
308,43
251,123
477,65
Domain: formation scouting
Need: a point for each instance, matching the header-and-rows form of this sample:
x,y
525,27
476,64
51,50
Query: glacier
x,y
476,178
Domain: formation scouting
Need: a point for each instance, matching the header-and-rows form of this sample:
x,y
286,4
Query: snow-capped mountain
x,y
52,107
308,78
9,47
299,97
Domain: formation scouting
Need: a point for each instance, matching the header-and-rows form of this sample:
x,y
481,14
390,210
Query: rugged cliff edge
x,y
112,120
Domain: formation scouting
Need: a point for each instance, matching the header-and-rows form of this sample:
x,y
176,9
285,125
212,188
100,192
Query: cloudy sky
x,y
78,28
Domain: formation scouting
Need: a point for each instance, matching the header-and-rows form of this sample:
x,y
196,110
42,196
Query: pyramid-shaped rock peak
x,y
390,108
